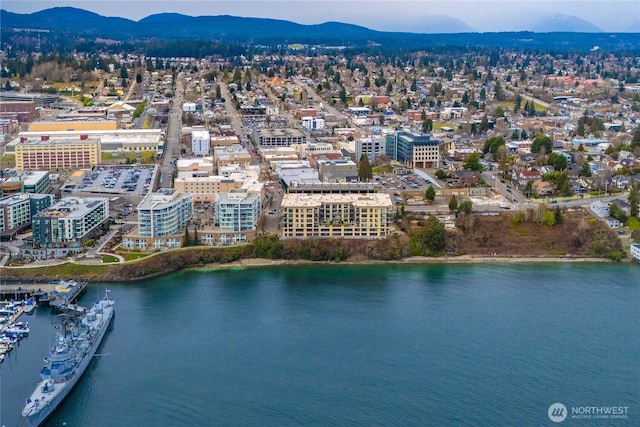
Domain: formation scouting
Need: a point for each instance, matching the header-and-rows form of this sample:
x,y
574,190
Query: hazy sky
x,y
387,15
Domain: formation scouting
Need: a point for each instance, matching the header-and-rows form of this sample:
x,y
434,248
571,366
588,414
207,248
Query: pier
x,y
43,293
18,292
11,320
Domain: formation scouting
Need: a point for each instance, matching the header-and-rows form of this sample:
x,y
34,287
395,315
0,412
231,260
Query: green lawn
x,y
132,256
634,223
382,169
109,259
438,126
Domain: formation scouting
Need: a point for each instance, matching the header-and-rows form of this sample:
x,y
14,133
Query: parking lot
x,y
402,182
136,179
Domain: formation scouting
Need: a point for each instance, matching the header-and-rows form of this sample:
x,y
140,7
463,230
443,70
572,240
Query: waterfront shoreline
x,y
417,260
47,273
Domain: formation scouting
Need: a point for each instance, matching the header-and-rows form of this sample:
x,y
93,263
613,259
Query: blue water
x,y
354,345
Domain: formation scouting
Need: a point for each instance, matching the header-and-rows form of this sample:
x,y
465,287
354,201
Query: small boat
x,y
21,332
7,312
14,334
30,306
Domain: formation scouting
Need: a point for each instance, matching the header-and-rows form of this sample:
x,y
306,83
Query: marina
x,y
18,300
18,292
57,294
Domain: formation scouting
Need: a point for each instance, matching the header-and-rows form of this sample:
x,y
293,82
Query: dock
x,y
22,292
60,302
11,320
43,293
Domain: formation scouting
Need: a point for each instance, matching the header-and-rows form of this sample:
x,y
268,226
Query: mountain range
x,y
419,32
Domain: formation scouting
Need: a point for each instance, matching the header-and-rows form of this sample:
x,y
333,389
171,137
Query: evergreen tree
x,y
635,142
365,171
558,215
484,124
343,95
187,239
453,203
427,125
237,76
430,194
634,199
498,92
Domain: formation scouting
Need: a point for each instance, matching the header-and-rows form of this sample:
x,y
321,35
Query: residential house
x,y
543,188
524,176
600,208
467,177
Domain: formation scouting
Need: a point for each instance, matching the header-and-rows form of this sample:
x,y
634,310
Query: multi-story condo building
x,y
26,182
414,150
200,142
196,164
230,154
162,218
339,170
63,227
57,154
313,123
373,146
237,213
360,216
279,137
205,189
16,211
256,112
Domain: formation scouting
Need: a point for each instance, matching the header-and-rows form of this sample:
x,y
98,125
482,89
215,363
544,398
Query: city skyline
x,y
409,16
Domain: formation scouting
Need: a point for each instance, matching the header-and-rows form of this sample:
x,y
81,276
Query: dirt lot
x,y
503,236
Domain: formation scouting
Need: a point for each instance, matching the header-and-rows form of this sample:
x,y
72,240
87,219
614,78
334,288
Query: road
x,y
545,104
325,105
173,134
244,134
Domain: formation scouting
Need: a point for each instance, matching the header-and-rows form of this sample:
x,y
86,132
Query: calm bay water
x,y
354,345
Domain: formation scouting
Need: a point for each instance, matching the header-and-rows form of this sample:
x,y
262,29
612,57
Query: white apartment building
x,y
313,123
162,217
200,142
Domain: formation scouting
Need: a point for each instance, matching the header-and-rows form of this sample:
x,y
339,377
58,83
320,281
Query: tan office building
x,y
57,154
205,189
61,125
355,216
